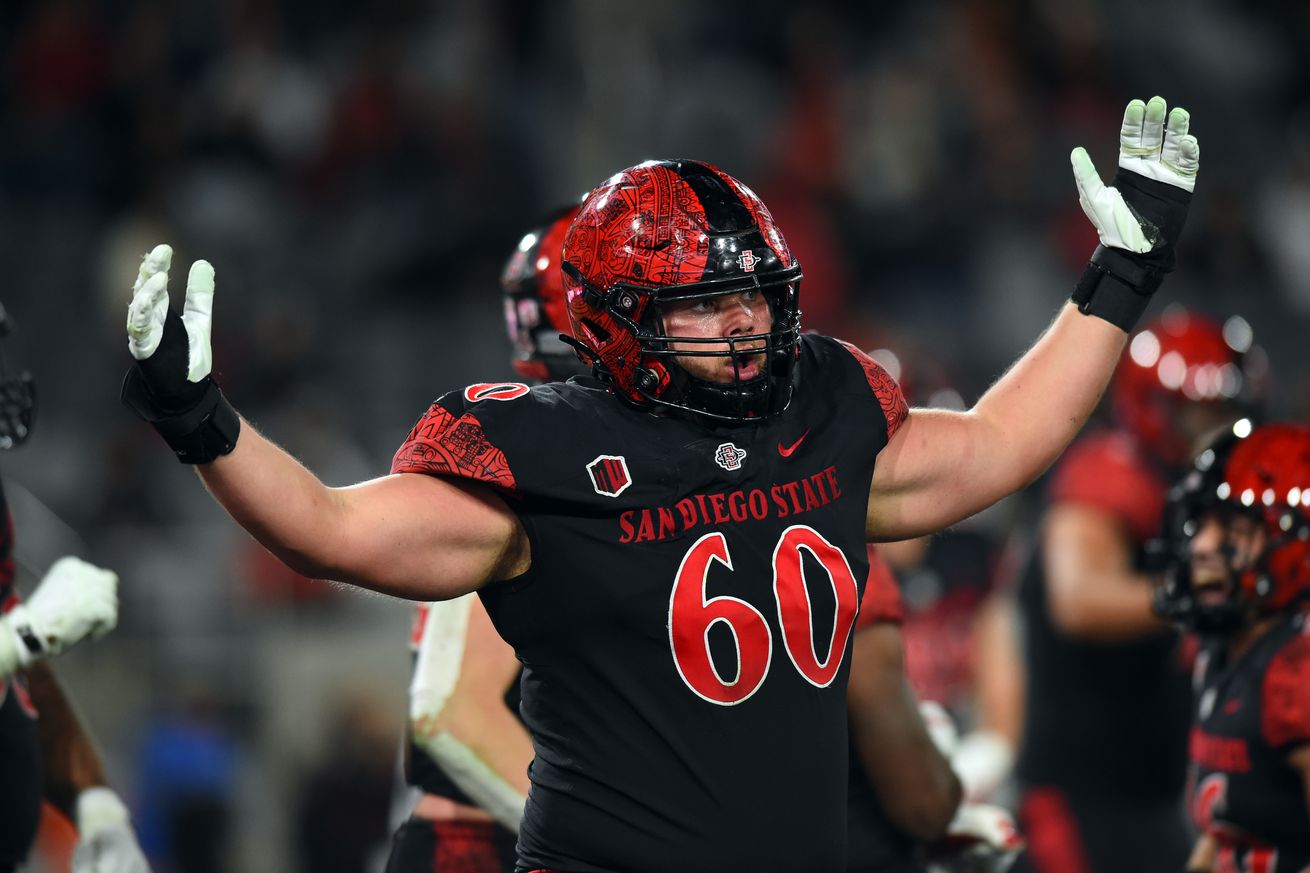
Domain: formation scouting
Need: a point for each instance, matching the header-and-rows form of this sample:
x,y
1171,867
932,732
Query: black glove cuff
x,y
1109,295
198,435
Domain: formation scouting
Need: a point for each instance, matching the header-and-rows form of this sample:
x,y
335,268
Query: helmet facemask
x,y
659,380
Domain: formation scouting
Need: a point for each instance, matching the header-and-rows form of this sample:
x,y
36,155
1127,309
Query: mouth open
x,y
744,367
1211,592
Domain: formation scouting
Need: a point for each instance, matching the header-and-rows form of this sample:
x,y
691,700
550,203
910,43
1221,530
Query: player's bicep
x,y
935,470
426,537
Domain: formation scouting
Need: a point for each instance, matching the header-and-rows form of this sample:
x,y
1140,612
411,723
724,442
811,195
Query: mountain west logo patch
x,y
609,475
729,457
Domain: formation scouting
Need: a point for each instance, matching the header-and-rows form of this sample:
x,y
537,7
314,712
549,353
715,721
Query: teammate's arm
x,y
413,536
942,466
458,713
912,778
1091,588
985,755
75,782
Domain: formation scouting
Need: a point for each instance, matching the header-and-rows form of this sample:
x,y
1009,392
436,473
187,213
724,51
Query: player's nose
x,y
740,315
1209,537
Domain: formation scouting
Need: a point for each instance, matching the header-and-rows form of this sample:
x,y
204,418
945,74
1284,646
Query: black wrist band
x,y
207,430
1116,287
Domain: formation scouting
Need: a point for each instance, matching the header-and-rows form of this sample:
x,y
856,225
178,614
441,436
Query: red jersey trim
x,y
884,387
443,445
1285,716
882,595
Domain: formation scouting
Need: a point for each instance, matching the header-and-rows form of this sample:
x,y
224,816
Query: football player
x,y
468,752
1239,525
676,552
51,757
1101,764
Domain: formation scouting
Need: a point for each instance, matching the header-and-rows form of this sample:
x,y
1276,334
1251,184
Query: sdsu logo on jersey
x,y
729,457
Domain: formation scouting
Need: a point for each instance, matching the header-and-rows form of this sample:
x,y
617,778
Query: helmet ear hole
x,y
599,334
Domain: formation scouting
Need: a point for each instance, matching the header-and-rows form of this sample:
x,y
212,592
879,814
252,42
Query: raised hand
x,y
1140,216
170,384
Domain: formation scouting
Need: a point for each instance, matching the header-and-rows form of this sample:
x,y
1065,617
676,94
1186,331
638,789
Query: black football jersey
x,y
1104,719
1250,713
685,623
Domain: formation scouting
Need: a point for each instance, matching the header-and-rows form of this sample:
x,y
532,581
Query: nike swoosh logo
x,y
786,451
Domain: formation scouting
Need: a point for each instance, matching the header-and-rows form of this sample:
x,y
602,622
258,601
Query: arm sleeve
x,y
1285,716
884,387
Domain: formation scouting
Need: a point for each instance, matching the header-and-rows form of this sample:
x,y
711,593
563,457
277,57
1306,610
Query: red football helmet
x,y
536,311
1182,358
1262,472
668,231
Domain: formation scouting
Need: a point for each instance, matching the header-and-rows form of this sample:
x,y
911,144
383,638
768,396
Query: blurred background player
x,y
1101,767
467,752
1238,528
50,756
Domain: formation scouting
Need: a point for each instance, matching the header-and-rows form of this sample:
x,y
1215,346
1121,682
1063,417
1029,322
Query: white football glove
x,y
106,842
1149,148
72,601
149,307
941,727
980,839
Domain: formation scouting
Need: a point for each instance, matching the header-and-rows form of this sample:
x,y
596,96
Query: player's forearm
x,y
1033,411
492,733
71,763
281,504
1107,608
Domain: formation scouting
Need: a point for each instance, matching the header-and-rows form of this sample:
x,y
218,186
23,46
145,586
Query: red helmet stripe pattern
x,y
665,243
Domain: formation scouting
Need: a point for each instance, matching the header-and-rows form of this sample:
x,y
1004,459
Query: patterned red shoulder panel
x,y
441,444
894,407
1286,697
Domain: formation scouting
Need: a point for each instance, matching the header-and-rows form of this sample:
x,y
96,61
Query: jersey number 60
x,y
691,615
